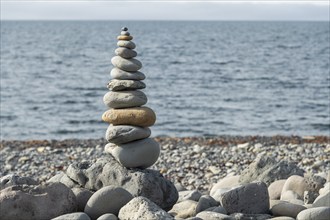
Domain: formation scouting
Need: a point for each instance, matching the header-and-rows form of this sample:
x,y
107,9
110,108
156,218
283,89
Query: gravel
x,y
194,162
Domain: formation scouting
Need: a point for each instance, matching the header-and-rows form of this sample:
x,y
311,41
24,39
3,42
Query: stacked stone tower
x,y
128,132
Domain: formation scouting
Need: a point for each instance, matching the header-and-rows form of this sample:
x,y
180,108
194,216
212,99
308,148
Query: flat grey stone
x,y
205,202
36,202
286,209
107,171
189,195
251,198
126,43
73,216
125,99
320,213
125,52
142,208
109,199
119,85
63,178
130,65
124,75
268,170
125,33
121,134
137,154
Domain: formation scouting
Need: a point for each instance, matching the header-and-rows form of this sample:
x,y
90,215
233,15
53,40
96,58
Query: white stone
x,y
320,213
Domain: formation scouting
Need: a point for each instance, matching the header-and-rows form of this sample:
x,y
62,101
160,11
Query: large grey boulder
x,y
36,202
139,182
142,208
268,170
250,198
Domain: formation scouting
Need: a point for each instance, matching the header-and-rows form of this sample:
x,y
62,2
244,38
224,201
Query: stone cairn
x,y
128,132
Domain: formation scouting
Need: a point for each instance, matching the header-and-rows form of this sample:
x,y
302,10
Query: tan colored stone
x,y
124,37
138,116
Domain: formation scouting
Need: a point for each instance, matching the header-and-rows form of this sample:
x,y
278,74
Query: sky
x,y
164,10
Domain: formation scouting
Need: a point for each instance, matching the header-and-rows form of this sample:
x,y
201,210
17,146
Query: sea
x,y
204,78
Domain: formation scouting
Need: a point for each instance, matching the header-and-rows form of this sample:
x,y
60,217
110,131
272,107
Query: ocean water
x,y
203,78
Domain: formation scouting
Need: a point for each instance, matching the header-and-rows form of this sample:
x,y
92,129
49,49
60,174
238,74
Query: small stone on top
x,y
124,28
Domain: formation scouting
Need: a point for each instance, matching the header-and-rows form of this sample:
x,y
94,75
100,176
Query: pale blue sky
x,y
164,10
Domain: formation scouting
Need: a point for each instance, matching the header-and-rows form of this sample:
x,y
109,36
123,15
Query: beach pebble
x,y
289,195
250,198
245,216
130,65
82,196
205,202
287,209
108,216
189,195
125,52
124,75
227,182
63,178
137,116
296,184
124,99
137,154
121,134
208,215
218,209
119,85
125,33
36,202
142,208
267,170
124,37
322,200
275,189
107,171
283,218
218,193
325,189
126,43
73,216
14,179
184,209
109,199
320,213
124,29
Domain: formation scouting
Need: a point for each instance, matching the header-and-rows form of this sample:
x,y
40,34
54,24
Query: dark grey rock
x,y
250,198
120,85
14,179
122,134
268,170
36,202
205,202
139,182
82,196
124,28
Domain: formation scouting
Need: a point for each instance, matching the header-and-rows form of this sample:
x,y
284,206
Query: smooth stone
x,y
73,216
125,99
124,75
130,65
124,37
108,216
250,198
218,193
107,171
137,154
63,178
275,189
283,218
36,202
121,134
125,33
267,170
14,179
227,182
124,28
125,52
296,184
205,202
325,189
184,209
218,209
208,215
322,200
244,216
82,196
287,209
189,195
289,195
109,199
319,213
120,85
126,43
138,116
142,208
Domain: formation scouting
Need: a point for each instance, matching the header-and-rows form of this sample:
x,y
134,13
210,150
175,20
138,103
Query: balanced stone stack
x,y
128,132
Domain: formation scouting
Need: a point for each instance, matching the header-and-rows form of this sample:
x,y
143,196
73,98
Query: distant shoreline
x,y
221,140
